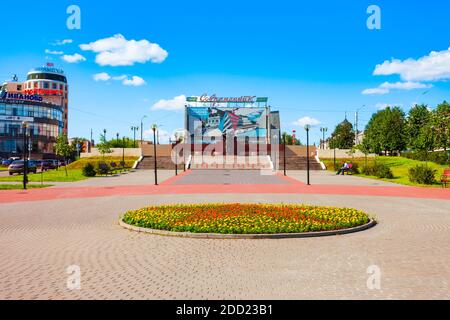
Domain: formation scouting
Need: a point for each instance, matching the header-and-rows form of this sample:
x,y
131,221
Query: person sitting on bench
x,y
343,169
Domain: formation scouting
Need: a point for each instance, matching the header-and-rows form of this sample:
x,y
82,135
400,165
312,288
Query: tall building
x,y
42,102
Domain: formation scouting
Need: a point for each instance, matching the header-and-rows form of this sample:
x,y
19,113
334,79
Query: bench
x,y
104,169
445,178
349,170
115,167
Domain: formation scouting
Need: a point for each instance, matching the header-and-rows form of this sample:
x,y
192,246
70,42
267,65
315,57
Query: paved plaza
x,y
39,239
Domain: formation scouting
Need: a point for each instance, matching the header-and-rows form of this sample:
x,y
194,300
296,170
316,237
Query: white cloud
x,y
47,51
405,85
386,87
134,81
376,91
103,76
118,51
62,42
433,67
175,104
306,120
75,58
120,78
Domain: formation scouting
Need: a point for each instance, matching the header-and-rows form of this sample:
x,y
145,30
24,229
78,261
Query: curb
x,y
366,226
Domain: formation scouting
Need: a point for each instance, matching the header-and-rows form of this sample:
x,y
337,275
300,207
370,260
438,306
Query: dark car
x,y
7,162
18,167
48,165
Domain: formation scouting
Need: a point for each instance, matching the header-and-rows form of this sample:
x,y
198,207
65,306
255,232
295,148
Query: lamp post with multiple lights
x,y
307,128
134,129
323,130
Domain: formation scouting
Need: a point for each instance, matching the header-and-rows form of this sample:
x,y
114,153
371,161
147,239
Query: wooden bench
x,y
445,178
104,169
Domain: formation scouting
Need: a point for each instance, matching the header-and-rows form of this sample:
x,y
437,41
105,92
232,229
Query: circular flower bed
x,y
245,218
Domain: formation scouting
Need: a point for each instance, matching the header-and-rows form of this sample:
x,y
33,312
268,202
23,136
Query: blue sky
x,y
312,59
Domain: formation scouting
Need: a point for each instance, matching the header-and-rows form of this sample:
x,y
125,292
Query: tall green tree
x,y
104,146
440,126
386,131
416,127
343,136
64,149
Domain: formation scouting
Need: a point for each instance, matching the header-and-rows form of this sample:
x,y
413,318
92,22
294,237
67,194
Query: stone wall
x,y
117,152
341,154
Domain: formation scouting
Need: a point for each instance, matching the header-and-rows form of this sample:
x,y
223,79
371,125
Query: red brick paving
x,y
168,187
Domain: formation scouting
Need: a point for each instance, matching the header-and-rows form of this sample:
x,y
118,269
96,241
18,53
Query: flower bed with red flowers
x,y
245,218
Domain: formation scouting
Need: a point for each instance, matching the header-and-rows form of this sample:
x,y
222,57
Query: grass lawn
x,y
79,164
49,176
398,165
19,186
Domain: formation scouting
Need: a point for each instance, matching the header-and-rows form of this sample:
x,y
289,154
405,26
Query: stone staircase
x,y
299,163
230,162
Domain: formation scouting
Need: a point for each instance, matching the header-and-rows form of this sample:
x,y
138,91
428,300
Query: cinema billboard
x,y
242,123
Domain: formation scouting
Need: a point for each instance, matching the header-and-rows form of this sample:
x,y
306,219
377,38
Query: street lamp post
x,y
123,153
307,128
142,129
323,130
134,129
284,154
25,161
154,128
174,144
104,134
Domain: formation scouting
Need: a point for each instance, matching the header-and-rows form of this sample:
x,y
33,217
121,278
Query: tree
x,y
416,128
78,142
386,131
104,146
440,126
119,143
343,136
63,149
289,139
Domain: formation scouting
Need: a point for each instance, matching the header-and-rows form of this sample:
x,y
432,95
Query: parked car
x,y
48,165
8,161
18,166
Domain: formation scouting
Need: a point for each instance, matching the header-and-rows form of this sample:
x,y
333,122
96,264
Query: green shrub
x,y
379,170
354,169
383,171
439,157
89,170
422,174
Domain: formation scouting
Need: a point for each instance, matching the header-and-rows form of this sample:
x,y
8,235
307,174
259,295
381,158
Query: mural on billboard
x,y
219,121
